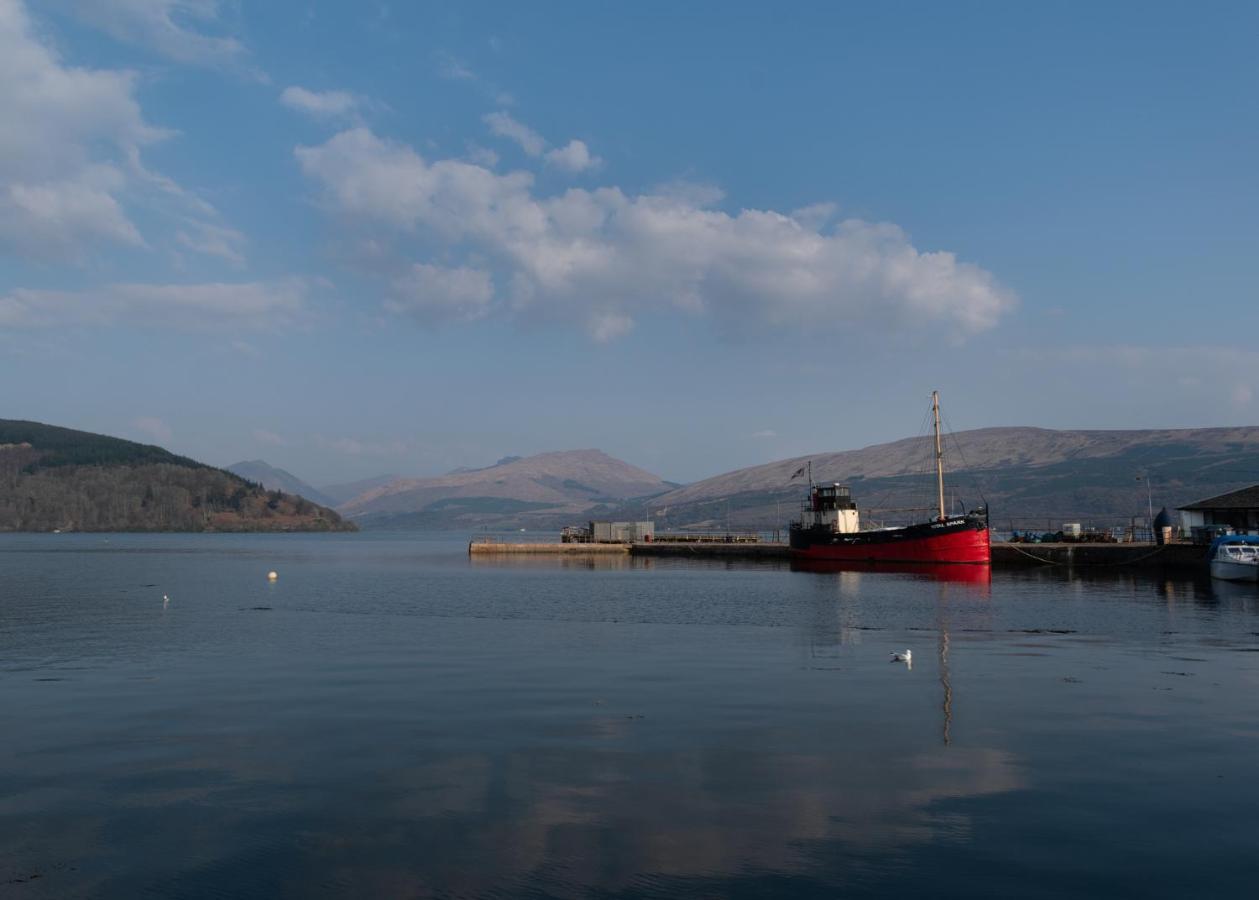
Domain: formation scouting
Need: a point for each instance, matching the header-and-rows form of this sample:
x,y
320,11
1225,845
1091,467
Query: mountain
x,y
343,493
58,478
273,479
1030,477
545,490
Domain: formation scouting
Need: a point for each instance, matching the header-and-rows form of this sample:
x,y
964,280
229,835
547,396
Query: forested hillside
x,y
58,478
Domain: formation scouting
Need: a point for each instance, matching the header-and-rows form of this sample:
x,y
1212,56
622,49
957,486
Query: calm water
x,y
390,719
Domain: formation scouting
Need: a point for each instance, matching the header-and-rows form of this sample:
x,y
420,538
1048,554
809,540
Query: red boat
x,y
830,528
980,575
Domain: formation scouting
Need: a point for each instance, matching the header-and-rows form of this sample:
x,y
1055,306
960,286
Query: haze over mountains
x,y
1027,476
544,490
1030,477
274,479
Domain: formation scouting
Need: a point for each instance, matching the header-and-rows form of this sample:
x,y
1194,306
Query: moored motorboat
x,y
1235,557
830,527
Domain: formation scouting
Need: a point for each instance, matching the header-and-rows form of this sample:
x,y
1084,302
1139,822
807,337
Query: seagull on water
x,y
165,600
906,657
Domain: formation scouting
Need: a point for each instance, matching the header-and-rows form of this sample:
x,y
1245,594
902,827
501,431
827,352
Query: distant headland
x,y
59,479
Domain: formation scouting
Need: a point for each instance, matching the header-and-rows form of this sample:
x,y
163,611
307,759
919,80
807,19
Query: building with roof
x,y
1236,509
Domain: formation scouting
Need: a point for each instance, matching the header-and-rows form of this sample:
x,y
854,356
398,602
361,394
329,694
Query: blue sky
x,y
357,238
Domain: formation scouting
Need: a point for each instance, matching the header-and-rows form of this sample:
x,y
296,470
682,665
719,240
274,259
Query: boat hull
x,y
979,575
960,540
1234,571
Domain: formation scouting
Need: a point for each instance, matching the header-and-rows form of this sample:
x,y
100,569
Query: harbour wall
x,y
503,548
1004,555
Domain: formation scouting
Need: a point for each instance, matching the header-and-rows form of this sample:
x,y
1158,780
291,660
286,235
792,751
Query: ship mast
x,y
935,411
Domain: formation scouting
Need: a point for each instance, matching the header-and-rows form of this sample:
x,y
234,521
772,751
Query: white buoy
x,y
165,600
272,576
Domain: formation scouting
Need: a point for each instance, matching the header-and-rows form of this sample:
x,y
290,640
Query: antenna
x,y
935,412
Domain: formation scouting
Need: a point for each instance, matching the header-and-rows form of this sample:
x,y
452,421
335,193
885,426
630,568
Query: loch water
x,y
390,718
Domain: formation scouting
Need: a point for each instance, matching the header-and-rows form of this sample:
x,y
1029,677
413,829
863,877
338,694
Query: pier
x,y
506,548
1004,555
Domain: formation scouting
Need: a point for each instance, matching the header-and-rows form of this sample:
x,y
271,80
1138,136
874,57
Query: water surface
x,y
392,719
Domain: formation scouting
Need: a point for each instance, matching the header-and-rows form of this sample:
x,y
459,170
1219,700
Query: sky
x,y
358,238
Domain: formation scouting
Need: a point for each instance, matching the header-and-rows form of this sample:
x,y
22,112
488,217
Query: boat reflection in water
x,y
938,572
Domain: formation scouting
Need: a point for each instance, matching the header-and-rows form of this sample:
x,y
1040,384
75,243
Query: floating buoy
x,y
272,576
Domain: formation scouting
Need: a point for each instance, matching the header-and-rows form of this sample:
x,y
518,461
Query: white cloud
x,y
505,126
263,436
815,215
70,153
213,240
327,105
176,29
155,428
1211,379
356,447
55,219
433,294
575,156
603,257
482,156
185,306
452,69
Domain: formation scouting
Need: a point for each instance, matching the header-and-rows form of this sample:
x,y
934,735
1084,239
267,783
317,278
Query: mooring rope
x,y
1053,562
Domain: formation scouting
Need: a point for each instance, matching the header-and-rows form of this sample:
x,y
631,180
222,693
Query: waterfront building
x,y
1238,510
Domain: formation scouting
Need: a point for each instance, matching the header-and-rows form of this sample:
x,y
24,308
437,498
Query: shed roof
x,y
1245,498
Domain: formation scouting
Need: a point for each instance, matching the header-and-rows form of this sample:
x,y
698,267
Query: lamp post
x,y
1149,499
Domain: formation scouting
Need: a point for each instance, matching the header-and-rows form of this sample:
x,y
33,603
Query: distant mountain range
x,y
343,493
55,478
273,479
546,490
1030,477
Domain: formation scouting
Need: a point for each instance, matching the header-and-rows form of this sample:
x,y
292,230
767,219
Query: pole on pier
x,y
935,411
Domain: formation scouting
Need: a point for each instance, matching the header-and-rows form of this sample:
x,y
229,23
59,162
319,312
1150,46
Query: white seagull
x,y
906,657
165,600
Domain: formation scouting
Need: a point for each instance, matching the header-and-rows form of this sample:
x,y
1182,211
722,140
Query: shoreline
x,y
1004,554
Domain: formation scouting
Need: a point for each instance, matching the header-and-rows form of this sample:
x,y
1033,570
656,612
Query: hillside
x,y
545,490
343,493
58,478
1029,476
275,479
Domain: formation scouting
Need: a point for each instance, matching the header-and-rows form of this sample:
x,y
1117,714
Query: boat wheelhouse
x,y
830,527
1235,557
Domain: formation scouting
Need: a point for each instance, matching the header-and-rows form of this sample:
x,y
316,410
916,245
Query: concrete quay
x,y
1004,555
1138,555
504,548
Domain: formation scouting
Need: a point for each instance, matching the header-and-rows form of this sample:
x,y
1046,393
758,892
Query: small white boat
x,y
1235,558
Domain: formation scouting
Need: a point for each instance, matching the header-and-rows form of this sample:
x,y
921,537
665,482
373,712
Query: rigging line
x,y
928,456
911,471
957,445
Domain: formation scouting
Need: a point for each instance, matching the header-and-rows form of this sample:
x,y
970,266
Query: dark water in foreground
x,y
392,720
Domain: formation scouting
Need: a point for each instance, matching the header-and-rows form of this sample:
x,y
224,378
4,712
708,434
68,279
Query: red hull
x,y
967,546
944,572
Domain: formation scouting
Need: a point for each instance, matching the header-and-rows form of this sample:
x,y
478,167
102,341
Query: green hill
x,y
58,478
